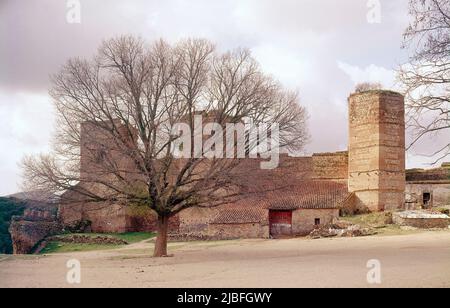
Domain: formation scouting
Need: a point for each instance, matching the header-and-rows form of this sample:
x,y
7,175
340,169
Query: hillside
x,y
8,208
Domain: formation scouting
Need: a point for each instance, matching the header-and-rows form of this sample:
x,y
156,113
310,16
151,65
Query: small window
x,y
426,199
317,221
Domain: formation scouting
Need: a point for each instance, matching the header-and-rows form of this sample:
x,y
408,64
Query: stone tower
x,y
377,150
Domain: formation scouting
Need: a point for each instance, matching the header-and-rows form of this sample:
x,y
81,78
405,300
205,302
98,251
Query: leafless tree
x,y
114,118
427,75
367,86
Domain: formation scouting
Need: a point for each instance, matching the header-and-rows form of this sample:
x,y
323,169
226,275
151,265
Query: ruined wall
x,y
103,217
421,220
198,223
196,220
238,231
433,175
141,218
320,166
330,166
291,168
26,235
144,219
439,193
377,150
112,218
373,167
303,220
99,147
435,182
38,221
98,152
29,230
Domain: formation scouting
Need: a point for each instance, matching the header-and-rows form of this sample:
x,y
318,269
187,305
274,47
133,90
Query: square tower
x,y
377,150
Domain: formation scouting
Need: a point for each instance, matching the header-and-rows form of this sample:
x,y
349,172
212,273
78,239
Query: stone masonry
x,y
377,150
302,194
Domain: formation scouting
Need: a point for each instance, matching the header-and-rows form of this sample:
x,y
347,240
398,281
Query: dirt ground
x,y
417,260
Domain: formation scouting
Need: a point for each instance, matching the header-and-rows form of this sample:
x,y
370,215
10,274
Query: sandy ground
x,y
419,260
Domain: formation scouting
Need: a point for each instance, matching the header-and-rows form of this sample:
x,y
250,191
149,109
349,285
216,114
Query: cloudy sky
x,y
320,47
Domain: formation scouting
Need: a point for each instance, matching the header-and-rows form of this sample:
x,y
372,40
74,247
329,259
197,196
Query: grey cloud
x,y
301,42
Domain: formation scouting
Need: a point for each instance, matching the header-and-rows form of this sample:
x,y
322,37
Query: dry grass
x,y
382,223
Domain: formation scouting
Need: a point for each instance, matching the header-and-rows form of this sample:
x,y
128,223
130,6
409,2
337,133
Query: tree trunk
x,y
161,239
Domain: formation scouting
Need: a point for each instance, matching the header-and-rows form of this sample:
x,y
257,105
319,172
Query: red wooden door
x,y
280,223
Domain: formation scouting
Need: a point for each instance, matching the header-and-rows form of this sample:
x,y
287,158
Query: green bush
x,y
8,209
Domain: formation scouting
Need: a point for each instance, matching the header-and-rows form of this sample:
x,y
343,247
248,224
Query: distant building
x,y
428,188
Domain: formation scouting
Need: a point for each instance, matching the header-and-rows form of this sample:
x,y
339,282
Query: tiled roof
x,y
309,195
303,195
233,215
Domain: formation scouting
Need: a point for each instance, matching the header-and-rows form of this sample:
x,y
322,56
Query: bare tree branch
x,y
426,78
115,114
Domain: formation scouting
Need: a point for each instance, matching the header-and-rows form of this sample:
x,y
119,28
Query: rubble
x,y
26,235
341,228
85,239
422,219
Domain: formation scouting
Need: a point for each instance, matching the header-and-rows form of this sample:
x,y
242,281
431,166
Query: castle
x,y
369,177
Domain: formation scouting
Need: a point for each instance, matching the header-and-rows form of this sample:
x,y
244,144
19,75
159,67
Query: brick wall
x,y
238,231
432,175
440,194
377,150
144,219
422,223
104,217
113,218
195,223
303,220
196,220
330,166
26,234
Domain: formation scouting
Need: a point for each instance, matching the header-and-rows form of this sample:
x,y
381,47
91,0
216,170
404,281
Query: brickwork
x,y
238,231
315,189
439,194
103,217
303,221
437,175
220,223
421,220
196,220
377,150
98,151
373,169
330,166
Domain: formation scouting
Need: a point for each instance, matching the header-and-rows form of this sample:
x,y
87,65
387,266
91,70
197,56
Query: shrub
x,y
8,209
